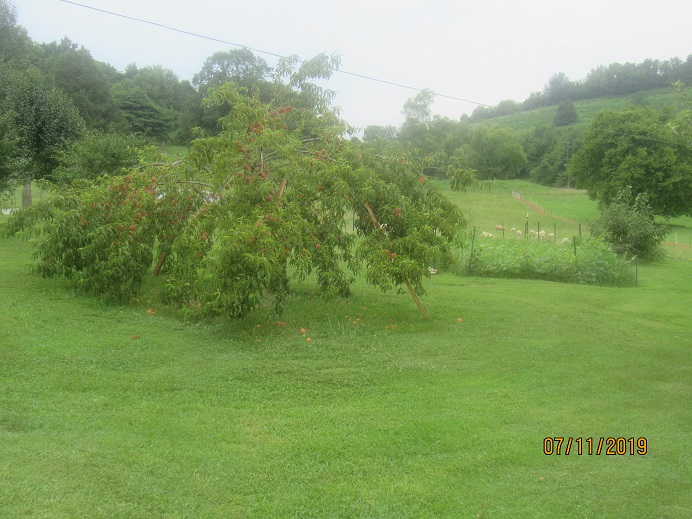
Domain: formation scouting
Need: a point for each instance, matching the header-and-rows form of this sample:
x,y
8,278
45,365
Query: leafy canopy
x,y
627,224
636,147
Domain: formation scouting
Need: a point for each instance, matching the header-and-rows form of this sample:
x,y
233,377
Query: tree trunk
x,y
26,195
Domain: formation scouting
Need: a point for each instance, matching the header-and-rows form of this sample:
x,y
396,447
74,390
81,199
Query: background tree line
x,y
613,80
65,115
645,149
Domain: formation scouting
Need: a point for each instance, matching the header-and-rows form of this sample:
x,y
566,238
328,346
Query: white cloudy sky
x,y
482,51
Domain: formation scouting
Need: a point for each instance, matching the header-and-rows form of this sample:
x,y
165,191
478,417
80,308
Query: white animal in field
x,y
500,227
432,270
486,234
566,241
513,230
519,234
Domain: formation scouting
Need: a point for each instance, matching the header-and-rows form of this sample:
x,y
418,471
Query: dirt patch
x,y
540,210
673,244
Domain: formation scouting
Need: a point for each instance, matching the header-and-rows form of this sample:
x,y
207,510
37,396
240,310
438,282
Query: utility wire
x,y
354,74
260,51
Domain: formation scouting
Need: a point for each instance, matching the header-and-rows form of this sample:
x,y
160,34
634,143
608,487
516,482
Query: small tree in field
x,y
263,201
566,113
627,224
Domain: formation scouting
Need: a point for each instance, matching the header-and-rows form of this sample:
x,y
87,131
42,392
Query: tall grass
x,y
591,262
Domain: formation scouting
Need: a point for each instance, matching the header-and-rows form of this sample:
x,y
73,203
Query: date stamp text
x,y
609,446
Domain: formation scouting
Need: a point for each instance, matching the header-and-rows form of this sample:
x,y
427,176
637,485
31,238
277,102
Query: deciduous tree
x,y
636,147
263,201
41,122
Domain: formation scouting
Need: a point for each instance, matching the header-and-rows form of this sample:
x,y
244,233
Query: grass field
x,y
127,411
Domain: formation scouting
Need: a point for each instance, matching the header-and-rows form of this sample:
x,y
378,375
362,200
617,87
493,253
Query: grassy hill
x,y
354,408
524,122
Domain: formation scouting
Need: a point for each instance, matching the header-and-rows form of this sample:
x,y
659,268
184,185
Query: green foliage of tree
x,y
264,200
41,122
143,115
494,153
381,138
97,154
566,113
548,152
627,224
12,162
417,110
682,124
102,236
238,65
504,107
177,100
79,75
162,85
558,88
14,41
636,147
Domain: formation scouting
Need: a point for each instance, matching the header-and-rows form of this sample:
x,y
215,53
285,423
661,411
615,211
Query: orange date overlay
x,y
610,446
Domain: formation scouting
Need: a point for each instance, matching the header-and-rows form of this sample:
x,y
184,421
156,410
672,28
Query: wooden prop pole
x,y
408,283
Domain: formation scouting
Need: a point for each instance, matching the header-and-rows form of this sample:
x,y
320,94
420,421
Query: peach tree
x,y
280,193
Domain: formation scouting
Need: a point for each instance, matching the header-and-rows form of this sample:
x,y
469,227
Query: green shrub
x,y
627,223
97,154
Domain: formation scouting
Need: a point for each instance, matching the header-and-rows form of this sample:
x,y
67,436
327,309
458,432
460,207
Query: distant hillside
x,y
525,122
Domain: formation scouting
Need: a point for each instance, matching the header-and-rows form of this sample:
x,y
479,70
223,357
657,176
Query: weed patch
x,y
592,262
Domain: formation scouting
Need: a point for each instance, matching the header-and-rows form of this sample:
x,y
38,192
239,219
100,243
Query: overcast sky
x,y
482,51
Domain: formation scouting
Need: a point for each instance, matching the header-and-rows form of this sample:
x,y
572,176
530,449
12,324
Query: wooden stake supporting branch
x,y
408,283
160,262
374,219
416,299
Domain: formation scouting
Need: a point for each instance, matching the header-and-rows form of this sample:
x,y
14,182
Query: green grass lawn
x,y
176,151
115,411
547,208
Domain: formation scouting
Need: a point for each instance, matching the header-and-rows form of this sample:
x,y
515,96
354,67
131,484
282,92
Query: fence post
x,y
473,239
636,271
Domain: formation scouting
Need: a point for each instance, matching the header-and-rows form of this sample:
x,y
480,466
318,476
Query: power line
x,y
431,36
345,72
260,51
